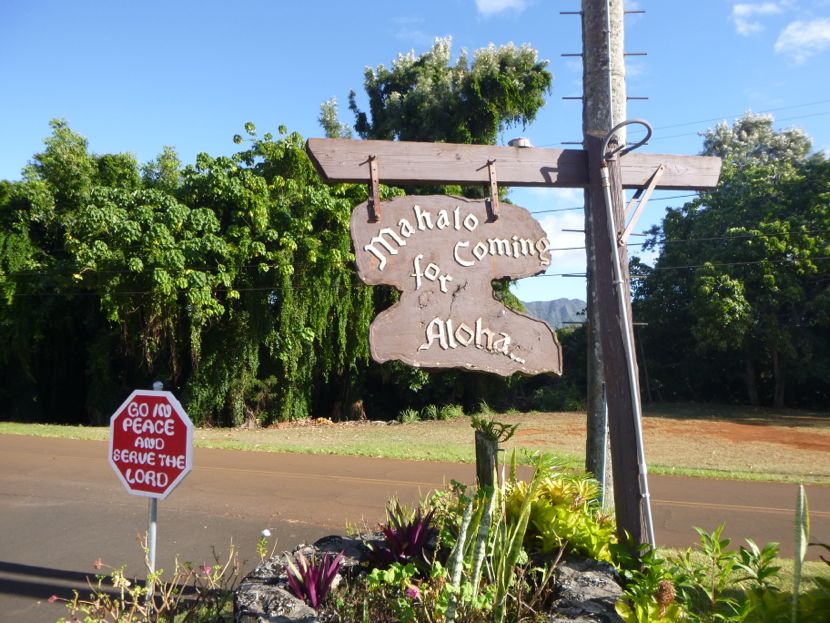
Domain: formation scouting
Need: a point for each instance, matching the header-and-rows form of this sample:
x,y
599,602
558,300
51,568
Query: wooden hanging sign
x,y
442,253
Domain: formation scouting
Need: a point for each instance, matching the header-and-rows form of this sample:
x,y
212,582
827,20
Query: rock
x,y
587,593
355,552
262,597
256,602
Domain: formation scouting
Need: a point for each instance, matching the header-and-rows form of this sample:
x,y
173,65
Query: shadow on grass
x,y
759,416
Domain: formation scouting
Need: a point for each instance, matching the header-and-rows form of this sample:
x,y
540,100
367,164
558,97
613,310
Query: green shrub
x,y
408,416
430,412
565,514
559,397
451,412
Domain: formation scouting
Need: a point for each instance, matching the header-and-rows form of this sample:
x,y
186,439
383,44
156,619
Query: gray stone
x,y
588,590
262,596
257,602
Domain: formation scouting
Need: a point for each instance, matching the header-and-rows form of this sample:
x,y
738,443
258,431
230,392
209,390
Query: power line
x,y
724,238
260,265
723,117
652,200
663,138
276,288
728,264
696,266
770,110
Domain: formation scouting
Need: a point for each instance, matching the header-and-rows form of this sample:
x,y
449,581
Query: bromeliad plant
x,y
410,537
564,514
312,580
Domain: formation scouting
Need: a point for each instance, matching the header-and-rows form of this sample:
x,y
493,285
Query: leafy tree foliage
x,y
230,278
330,123
741,284
427,98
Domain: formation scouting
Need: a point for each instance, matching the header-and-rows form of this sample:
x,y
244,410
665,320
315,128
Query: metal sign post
x,y
151,451
152,530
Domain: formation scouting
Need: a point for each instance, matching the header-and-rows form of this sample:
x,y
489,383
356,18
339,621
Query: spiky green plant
x,y
802,540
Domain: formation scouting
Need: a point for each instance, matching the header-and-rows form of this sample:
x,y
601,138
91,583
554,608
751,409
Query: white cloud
x,y
568,247
745,15
416,37
634,68
564,258
491,7
802,39
557,209
633,5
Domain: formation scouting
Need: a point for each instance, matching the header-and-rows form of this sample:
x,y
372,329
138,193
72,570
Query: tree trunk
x,y
779,378
752,383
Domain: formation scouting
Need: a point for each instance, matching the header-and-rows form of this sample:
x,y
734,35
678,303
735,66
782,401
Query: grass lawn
x,y
697,440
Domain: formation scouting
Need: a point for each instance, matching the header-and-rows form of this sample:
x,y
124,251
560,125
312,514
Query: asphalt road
x,y
62,507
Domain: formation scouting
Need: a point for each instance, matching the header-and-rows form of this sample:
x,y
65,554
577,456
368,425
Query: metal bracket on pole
x,y
494,190
374,190
626,328
641,198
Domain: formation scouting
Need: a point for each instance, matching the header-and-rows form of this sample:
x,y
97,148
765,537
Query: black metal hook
x,y
624,149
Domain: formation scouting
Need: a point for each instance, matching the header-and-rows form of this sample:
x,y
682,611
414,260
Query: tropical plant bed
x,y
519,552
494,553
585,588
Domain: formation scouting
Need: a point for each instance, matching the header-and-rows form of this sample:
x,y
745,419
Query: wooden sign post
x,y
427,284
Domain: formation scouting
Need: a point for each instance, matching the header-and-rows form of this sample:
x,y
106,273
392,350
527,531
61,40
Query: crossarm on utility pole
x,y
410,163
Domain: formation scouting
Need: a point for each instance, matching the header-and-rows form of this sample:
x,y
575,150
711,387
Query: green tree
x,y
164,172
741,275
427,98
329,121
230,279
298,318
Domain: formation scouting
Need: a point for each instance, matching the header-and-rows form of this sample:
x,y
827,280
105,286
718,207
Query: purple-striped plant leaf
x,y
312,580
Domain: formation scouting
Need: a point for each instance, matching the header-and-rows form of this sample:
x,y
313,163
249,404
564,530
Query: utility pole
x,y
604,106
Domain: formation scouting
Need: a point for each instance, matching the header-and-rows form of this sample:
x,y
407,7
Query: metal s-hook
x,y
494,189
624,149
374,190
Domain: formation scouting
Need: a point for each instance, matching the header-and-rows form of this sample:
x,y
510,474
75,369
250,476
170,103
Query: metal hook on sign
x,y
624,149
494,190
374,190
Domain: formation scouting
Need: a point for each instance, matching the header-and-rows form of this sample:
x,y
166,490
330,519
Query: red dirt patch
x,y
737,432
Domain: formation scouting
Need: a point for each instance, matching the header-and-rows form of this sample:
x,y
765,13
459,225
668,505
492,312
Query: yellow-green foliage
x,y
565,513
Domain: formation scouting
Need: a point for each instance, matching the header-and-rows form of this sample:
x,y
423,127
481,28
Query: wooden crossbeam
x,y
410,163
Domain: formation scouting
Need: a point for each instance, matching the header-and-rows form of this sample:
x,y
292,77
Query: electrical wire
x,y
734,116
652,200
696,266
770,110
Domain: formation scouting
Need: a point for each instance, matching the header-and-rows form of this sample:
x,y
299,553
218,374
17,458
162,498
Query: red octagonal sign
x,y
151,443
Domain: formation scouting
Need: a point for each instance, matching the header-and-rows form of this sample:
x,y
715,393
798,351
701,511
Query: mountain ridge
x,y
558,312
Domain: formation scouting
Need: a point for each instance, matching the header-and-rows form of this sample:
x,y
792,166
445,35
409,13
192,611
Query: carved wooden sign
x,y
442,254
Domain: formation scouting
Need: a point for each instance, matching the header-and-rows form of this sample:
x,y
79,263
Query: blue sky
x,y
135,76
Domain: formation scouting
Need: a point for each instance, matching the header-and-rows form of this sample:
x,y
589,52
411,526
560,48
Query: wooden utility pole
x,y
604,106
